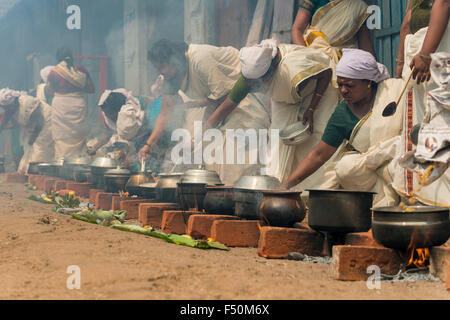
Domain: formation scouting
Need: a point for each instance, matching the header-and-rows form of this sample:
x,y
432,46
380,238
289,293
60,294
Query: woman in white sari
x,y
361,163
31,114
333,25
69,84
297,79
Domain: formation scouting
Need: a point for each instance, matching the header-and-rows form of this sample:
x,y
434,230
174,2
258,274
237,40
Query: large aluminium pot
x,y
418,226
340,211
137,179
55,168
192,188
248,194
33,167
71,165
281,208
167,186
116,179
219,200
98,168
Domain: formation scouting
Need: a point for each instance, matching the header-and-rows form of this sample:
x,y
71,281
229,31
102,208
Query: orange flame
x,y
418,257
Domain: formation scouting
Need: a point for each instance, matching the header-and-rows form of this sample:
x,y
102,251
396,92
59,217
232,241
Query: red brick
x,y
440,262
351,262
32,179
361,239
175,221
302,225
81,188
132,207
49,185
276,242
116,201
15,177
151,213
60,185
103,200
93,194
199,225
236,233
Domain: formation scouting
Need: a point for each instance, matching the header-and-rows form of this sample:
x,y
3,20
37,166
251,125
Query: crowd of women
x,y
328,79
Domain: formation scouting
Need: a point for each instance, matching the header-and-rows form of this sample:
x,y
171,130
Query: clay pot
x,y
281,208
219,200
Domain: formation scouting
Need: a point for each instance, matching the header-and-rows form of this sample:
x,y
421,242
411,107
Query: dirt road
x,y
37,246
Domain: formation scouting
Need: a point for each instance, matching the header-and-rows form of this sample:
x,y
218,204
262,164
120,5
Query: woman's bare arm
x,y
299,27
313,161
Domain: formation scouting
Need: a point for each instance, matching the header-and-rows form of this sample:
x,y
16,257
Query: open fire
x,y
418,257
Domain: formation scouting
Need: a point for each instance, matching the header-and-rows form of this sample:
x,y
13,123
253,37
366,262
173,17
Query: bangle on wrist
x,y
310,109
424,56
318,94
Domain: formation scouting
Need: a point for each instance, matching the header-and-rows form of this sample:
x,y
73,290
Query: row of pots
x,y
263,198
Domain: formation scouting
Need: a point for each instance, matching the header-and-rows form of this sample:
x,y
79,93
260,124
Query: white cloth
x,y
256,60
45,73
69,117
406,182
360,64
7,96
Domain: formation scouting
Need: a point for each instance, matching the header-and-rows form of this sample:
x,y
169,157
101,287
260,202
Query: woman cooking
x,y
333,25
128,119
297,79
32,116
69,84
205,74
361,163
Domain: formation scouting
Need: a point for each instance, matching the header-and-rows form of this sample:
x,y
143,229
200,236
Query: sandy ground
x,y
37,246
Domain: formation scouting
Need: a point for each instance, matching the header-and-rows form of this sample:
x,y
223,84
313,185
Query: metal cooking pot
x,y
98,168
137,179
33,167
281,208
147,190
56,167
83,174
422,227
116,179
219,200
166,188
191,196
70,166
45,169
211,178
341,211
248,194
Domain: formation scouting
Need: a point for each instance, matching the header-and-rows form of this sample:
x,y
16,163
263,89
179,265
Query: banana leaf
x,y
172,238
39,199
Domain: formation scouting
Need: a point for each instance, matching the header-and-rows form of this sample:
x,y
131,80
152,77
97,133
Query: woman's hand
x,y
420,68
145,152
92,150
308,117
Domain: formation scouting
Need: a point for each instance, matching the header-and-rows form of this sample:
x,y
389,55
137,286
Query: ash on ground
x,y
410,275
303,257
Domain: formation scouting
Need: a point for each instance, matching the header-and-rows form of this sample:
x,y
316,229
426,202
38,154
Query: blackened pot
x,y
281,208
421,227
219,200
191,196
341,211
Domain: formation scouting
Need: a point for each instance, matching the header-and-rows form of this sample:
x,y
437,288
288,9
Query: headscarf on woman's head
x,y
8,96
360,64
45,72
256,60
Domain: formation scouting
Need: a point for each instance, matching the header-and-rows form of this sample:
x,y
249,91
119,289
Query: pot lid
x,y
170,174
201,176
117,172
148,185
103,162
258,183
410,209
79,160
57,162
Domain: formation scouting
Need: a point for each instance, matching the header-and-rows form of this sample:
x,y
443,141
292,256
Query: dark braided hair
x,y
113,103
65,54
